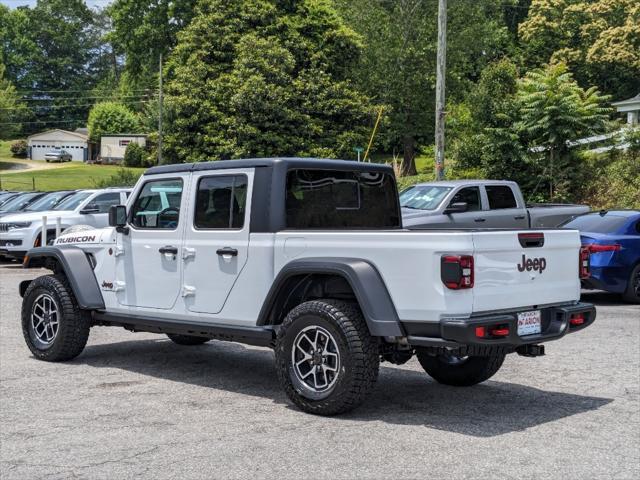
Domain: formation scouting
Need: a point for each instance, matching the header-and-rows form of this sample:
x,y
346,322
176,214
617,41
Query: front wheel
x,y
326,360
53,325
460,371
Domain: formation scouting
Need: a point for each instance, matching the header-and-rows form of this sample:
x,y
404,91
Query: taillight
x,y
583,266
576,319
456,271
596,247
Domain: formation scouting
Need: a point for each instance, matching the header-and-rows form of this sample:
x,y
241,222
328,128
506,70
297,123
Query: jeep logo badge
x,y
536,264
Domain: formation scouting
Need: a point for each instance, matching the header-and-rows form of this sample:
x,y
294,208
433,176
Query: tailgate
x,y
511,276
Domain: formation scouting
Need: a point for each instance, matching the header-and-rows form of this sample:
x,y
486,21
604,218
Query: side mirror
x,y
458,207
91,208
117,216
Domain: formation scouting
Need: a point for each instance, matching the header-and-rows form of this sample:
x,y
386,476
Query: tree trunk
x,y
409,156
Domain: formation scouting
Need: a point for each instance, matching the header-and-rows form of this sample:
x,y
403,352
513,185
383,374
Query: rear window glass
x,y
331,199
500,196
596,223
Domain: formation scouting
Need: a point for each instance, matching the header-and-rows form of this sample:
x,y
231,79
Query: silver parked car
x,y
57,156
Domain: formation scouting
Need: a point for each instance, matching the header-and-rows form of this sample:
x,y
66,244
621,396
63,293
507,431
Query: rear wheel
x,y
458,371
54,327
633,287
187,339
327,362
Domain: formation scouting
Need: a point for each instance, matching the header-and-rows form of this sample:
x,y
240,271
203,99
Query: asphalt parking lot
x,y
139,405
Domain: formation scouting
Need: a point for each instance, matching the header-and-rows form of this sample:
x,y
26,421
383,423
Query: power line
x,y
52,107
84,120
112,97
27,92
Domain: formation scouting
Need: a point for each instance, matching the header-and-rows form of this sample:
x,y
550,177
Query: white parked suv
x,y
307,257
21,231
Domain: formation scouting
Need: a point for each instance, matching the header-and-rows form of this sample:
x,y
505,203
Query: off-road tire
x,y
632,295
187,339
471,371
73,323
359,357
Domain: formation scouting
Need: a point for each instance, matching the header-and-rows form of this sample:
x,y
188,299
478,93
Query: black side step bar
x,y
263,336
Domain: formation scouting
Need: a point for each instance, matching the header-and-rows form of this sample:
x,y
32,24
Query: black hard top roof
x,y
287,163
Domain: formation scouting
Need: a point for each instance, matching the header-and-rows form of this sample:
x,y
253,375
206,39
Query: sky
x,y
31,3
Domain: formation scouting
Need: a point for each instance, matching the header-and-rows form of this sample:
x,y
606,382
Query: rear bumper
x,y
461,332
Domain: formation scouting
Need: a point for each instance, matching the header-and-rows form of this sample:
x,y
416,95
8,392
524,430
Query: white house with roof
x,y
631,107
113,147
75,143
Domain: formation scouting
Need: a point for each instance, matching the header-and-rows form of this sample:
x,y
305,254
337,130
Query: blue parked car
x,y
613,240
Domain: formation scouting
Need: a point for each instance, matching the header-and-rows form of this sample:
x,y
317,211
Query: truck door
x,y
216,237
473,217
504,211
148,258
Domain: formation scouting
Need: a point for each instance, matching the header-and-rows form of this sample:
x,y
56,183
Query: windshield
x,y
47,202
597,223
18,202
71,203
426,197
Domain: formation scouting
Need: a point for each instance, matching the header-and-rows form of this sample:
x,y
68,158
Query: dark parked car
x,y
20,202
613,239
6,196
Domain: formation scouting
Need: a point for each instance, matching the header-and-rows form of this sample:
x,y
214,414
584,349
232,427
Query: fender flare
x,y
365,281
75,264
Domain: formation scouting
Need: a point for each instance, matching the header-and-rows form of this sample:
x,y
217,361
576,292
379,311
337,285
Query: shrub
x,y
124,177
19,148
134,155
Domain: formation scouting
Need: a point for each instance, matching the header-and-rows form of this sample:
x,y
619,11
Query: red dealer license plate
x,y
529,323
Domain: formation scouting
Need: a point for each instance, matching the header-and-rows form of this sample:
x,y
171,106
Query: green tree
x,y
54,54
144,29
293,98
481,129
398,67
110,118
554,110
599,40
12,109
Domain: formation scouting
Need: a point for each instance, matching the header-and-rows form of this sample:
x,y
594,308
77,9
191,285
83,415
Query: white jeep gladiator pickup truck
x,y
308,257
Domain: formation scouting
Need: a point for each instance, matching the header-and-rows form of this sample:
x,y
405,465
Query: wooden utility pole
x,y
441,71
160,116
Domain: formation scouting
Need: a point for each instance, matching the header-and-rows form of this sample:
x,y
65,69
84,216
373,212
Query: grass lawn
x,y
5,153
67,176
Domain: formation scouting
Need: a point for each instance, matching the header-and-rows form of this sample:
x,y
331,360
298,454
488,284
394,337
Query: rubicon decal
x,y
535,264
85,239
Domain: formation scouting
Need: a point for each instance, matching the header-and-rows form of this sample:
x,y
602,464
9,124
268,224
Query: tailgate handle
x,y
531,239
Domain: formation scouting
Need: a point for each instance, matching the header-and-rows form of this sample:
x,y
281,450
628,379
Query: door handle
x,y
168,249
519,217
227,251
479,220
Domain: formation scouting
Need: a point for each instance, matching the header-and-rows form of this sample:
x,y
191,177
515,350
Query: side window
x,y
638,227
220,202
333,199
500,196
469,195
158,205
104,201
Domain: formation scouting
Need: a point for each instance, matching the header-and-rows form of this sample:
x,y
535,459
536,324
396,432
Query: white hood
x,y
37,216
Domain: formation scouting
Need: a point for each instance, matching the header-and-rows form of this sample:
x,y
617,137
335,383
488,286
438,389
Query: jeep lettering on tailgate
x,y
537,264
